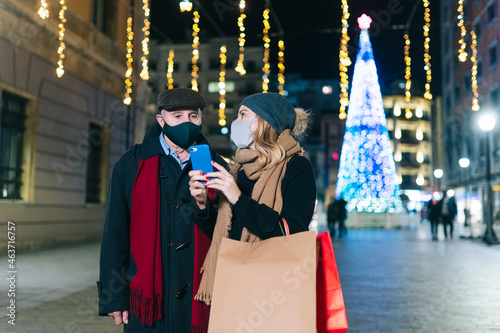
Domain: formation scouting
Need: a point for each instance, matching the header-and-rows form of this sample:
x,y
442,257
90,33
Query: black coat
x,y
298,191
179,213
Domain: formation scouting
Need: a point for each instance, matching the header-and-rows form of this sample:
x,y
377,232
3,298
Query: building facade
x,y
460,133
59,137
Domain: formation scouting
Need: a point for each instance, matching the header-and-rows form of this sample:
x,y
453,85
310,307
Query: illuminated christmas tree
x,y
367,177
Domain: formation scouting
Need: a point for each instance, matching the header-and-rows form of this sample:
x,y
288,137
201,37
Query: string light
x,y
281,67
130,59
196,55
473,58
62,46
145,42
408,113
186,6
462,55
43,11
266,69
222,86
170,69
241,40
427,57
344,61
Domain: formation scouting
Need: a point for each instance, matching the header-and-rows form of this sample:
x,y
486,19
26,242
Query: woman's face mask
x,y
241,134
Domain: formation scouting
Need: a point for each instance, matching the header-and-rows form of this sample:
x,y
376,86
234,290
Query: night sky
x,y
312,32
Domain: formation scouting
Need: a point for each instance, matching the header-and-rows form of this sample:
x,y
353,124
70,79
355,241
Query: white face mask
x,y
241,134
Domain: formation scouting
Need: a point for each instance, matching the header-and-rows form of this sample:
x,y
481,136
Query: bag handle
x,y
286,231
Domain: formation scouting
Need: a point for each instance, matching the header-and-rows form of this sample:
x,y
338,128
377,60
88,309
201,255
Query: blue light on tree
x,y
367,177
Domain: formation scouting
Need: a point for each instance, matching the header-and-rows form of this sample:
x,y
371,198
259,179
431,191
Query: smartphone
x,y
201,158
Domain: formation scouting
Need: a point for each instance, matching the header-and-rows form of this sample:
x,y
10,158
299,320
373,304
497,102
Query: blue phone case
x,y
201,158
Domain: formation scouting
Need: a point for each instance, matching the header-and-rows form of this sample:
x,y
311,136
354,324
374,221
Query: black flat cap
x,y
180,97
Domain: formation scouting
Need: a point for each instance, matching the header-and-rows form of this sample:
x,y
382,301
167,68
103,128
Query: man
x,y
448,213
337,213
433,214
151,251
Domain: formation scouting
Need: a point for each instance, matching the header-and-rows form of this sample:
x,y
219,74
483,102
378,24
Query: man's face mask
x,y
183,135
241,134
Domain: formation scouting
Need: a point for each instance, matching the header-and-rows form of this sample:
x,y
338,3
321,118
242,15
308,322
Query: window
x,y
104,16
457,93
477,29
12,127
479,69
490,12
494,97
94,163
493,55
467,82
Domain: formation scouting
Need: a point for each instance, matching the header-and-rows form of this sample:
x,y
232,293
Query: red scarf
x,y
146,287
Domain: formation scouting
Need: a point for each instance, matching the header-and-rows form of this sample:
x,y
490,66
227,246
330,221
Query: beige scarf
x,y
267,191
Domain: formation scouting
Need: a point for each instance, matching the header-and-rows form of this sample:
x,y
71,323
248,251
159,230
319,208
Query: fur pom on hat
x,y
302,122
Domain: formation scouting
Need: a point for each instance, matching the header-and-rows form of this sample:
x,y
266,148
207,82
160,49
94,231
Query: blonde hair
x,y
270,152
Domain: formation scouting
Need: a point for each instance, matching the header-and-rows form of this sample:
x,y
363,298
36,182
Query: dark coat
x,y
434,210
298,191
337,211
178,213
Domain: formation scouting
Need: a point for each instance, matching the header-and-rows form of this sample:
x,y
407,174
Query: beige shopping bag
x,y
267,286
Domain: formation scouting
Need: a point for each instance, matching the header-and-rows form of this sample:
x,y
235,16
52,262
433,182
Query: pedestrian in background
x,y
337,214
150,244
434,214
271,188
448,213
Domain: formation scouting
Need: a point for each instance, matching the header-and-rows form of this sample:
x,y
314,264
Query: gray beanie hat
x,y
180,97
273,108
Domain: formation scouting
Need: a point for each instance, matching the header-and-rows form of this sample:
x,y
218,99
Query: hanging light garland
x,y
196,55
427,57
130,59
462,54
62,46
170,69
408,112
43,11
266,69
344,61
241,40
186,6
281,67
222,86
473,58
145,42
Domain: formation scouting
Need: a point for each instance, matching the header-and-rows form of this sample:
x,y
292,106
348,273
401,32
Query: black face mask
x,y
183,135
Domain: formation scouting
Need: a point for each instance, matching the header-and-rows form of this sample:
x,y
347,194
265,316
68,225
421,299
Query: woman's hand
x,y
223,182
198,190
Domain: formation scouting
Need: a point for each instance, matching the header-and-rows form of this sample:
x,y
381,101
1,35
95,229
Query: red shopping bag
x,y
331,316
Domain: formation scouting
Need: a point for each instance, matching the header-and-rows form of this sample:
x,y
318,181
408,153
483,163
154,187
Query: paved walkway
x,y
393,281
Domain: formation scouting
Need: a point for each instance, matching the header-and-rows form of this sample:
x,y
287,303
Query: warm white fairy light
x,y
170,69
130,59
62,46
241,40
222,86
462,54
43,11
196,55
266,69
408,112
344,61
473,58
281,67
427,57
186,6
145,42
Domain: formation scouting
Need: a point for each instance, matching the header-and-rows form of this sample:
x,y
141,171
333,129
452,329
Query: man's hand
x,y
119,317
198,190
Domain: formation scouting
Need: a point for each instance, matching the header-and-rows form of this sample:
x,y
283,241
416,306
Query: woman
x,y
271,187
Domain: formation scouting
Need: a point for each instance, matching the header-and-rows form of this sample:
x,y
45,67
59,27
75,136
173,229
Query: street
x,y
392,280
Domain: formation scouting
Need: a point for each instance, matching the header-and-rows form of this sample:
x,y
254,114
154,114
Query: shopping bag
x,y
265,286
331,315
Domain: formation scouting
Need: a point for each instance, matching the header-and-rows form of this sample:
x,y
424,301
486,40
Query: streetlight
x,y
438,173
464,162
487,124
